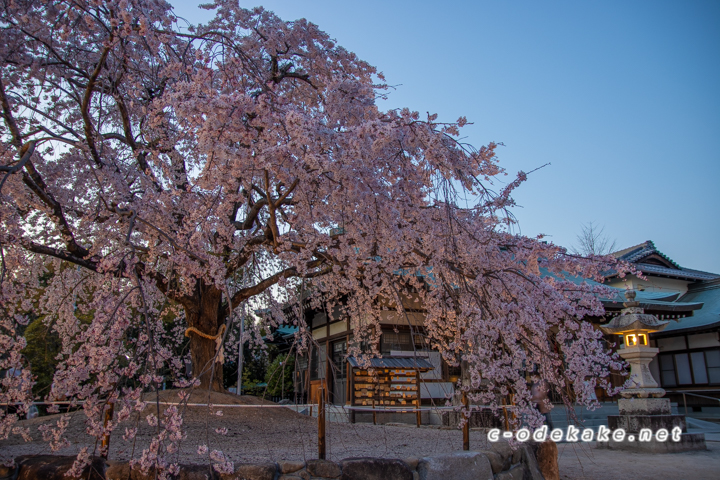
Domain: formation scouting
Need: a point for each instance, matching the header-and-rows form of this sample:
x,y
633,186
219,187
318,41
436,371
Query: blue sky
x,y
622,98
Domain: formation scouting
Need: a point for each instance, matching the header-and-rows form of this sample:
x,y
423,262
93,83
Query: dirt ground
x,y
254,434
580,461
259,434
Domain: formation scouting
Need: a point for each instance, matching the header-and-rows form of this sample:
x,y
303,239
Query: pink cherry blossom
x,y
159,182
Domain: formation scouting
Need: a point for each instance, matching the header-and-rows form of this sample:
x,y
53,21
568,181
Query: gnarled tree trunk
x,y
203,314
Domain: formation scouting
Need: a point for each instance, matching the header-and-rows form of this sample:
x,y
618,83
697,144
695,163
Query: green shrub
x,y
279,376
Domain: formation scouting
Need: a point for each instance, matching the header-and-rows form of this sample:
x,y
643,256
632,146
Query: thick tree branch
x,y
245,293
244,255
26,152
16,139
252,215
85,107
129,139
62,255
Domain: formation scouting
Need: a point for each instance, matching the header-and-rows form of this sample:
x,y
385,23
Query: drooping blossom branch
x,y
152,170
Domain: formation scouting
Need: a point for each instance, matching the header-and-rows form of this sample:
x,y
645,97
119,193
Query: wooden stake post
x,y
321,424
466,427
507,421
105,445
351,390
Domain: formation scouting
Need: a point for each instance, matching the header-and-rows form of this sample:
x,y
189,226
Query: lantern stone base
x,y
644,406
653,414
634,423
688,442
642,393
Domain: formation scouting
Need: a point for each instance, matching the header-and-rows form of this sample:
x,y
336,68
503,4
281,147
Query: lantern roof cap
x,y
633,318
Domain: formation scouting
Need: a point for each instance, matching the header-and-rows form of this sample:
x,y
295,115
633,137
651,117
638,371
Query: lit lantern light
x,y
634,339
634,326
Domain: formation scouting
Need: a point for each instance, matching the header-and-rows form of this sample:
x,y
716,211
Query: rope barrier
x,y
293,406
205,335
228,405
217,338
421,409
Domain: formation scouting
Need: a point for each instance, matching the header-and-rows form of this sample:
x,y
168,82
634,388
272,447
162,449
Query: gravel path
x,y
580,461
257,434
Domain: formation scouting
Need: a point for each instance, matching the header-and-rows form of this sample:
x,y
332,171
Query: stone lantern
x,y
635,326
642,408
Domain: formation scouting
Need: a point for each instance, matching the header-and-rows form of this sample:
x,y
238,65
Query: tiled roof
x,y
283,333
653,301
657,306
702,298
666,301
709,294
644,295
685,273
638,252
408,363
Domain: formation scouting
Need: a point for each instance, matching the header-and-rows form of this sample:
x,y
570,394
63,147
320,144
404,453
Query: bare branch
x,y
592,240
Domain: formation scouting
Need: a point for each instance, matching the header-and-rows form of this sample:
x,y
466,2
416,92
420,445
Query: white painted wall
x,y
704,340
338,327
652,284
319,333
391,317
436,390
671,344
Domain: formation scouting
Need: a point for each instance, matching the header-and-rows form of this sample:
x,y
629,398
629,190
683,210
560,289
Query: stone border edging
x,y
499,462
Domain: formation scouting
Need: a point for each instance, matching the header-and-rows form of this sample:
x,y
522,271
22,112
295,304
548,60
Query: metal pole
x,y
241,356
466,427
685,403
418,414
321,424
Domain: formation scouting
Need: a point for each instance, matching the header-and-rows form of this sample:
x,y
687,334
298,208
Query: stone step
x,y
589,418
698,425
564,415
596,421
